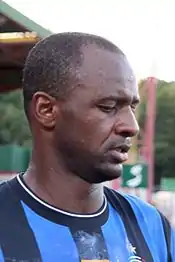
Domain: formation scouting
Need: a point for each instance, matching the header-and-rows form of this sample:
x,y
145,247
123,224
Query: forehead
x,y
105,73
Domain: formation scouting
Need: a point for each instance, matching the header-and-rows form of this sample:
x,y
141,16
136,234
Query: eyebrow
x,y
135,100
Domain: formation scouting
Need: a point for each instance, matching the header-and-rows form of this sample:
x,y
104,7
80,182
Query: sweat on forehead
x,y
53,62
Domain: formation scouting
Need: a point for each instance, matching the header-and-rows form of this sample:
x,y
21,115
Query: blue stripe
x,y
173,244
54,241
151,226
1,256
115,236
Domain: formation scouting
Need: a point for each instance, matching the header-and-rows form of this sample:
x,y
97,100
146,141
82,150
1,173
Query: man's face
x,y
97,120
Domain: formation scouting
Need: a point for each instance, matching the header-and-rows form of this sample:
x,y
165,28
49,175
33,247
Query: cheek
x,y
87,131
96,131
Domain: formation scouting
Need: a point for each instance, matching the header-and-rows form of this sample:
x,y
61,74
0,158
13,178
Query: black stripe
x,y
132,228
167,232
90,243
16,237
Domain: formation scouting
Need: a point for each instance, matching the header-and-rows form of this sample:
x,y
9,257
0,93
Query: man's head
x,y
80,95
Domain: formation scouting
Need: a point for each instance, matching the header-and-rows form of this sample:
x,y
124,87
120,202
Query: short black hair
x,y
51,63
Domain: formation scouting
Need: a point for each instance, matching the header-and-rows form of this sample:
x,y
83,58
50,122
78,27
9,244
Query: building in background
x,y
18,34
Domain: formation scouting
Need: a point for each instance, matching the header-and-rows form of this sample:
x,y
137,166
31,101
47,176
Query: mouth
x,y
119,154
123,148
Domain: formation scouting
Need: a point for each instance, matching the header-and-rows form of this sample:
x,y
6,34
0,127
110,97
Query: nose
x,y
126,124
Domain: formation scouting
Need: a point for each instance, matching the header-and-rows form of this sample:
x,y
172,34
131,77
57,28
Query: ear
x,y
45,109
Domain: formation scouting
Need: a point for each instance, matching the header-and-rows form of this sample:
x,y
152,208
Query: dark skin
x,y
77,141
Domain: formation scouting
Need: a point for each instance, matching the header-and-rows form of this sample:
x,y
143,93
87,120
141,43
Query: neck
x,y
49,181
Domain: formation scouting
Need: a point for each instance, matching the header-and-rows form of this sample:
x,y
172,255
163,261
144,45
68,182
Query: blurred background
x,y
144,30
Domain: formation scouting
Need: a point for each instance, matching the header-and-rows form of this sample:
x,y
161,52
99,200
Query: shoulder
x,y
7,191
151,224
3,188
148,219
148,216
143,210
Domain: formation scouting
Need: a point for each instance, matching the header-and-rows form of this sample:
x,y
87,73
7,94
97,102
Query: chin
x,y
111,172
104,173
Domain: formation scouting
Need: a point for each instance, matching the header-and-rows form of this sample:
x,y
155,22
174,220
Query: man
x,y
80,97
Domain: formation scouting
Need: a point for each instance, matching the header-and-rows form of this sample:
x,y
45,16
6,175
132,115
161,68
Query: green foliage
x,y
164,129
14,128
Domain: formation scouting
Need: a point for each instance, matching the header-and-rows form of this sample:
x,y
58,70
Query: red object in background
x,y
149,133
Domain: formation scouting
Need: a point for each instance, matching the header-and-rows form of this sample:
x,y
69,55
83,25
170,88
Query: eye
x,y
107,108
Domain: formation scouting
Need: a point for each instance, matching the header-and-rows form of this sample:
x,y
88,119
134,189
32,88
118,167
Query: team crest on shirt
x,y
133,254
133,257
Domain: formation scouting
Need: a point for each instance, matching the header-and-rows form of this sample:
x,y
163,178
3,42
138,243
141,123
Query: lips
x,y
119,154
118,157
